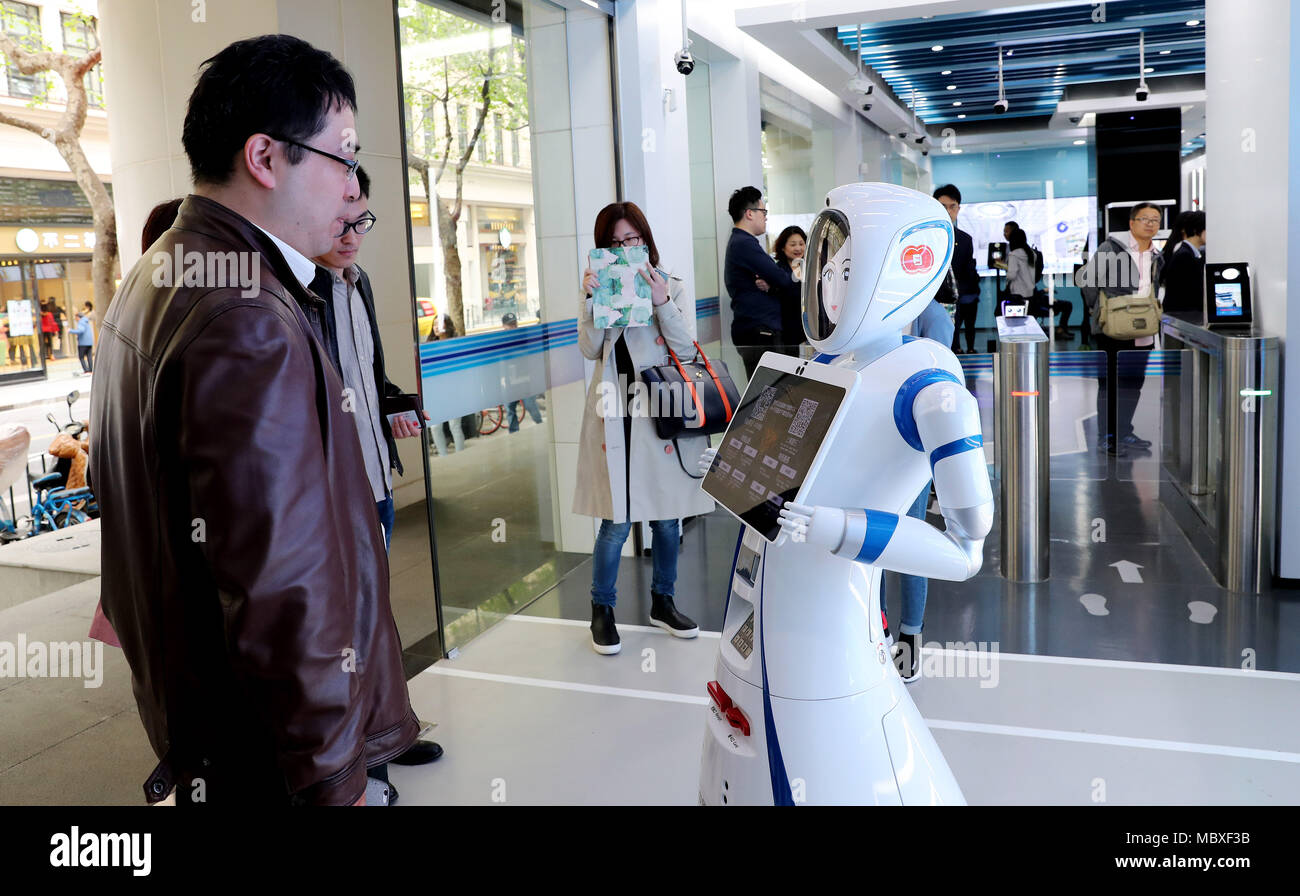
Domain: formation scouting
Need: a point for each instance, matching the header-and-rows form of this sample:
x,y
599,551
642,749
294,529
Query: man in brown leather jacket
x,y
243,562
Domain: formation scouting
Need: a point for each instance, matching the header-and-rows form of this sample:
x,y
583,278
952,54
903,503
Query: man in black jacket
x,y
963,270
352,341
755,306
1184,273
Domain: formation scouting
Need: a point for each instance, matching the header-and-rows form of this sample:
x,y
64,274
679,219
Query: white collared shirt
x,y
303,267
1143,260
1189,244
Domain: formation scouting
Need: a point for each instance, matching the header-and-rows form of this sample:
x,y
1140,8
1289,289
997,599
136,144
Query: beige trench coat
x,y
658,488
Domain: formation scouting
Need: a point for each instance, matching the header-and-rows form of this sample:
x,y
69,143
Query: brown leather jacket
x,y
243,562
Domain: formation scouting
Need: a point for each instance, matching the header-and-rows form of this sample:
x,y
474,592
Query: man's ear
x,y
261,157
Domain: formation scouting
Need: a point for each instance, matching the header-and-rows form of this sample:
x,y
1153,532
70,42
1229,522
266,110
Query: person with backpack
x,y
1119,284
1020,270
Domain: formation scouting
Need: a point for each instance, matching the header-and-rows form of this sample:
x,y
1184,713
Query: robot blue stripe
x,y
957,446
781,793
880,528
824,358
908,337
907,393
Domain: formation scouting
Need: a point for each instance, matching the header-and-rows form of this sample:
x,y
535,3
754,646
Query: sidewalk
x,y
64,375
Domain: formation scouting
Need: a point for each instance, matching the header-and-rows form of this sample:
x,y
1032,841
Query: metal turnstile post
x,y
1020,410
1248,494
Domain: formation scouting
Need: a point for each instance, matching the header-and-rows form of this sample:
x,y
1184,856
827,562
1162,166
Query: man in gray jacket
x,y
1125,263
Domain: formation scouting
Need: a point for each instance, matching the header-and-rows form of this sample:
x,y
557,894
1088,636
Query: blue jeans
x,y
912,588
530,405
386,514
934,323
664,544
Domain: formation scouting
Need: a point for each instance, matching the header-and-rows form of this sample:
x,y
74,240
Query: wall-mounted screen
x,y
1062,229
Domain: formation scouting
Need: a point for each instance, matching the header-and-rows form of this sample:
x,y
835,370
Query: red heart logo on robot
x,y
917,259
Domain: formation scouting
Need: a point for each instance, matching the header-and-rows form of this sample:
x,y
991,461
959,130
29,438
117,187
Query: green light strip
x,y
1256,391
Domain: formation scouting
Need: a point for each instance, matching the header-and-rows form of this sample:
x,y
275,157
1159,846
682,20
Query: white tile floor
x,y
529,714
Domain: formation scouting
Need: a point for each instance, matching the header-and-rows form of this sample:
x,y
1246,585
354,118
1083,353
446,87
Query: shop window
x,y
79,39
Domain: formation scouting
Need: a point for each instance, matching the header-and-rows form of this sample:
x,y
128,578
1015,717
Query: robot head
x,y
876,255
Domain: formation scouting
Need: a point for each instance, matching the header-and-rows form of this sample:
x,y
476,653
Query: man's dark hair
x,y
363,181
1133,212
276,85
949,190
742,200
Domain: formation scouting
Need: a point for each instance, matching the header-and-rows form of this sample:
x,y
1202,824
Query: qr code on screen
x,y
801,419
764,401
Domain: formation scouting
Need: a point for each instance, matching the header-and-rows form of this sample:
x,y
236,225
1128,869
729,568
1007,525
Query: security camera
x,y
902,135
866,106
860,84
1075,119
1142,93
925,150
919,139
1001,105
684,60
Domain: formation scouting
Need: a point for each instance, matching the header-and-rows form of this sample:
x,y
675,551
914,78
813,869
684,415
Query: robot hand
x,y
706,460
820,525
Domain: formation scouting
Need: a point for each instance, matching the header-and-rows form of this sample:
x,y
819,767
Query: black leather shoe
x,y
604,635
1132,441
422,752
665,615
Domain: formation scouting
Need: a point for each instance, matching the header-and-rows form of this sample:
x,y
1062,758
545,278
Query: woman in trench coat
x,y
626,473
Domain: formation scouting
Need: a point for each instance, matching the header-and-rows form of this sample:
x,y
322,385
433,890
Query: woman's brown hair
x,y
161,217
617,211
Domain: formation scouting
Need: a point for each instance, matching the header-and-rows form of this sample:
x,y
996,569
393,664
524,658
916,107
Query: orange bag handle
x,y
726,403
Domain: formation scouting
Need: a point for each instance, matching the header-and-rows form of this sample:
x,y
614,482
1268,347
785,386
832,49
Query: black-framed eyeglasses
x,y
350,163
360,225
755,208
630,241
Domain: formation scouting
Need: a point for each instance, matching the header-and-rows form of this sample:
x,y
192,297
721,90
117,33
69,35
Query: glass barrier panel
x,y
1078,399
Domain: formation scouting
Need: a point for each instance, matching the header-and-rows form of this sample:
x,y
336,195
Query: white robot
x,y
807,705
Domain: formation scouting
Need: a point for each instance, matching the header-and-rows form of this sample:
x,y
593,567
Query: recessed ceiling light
x,y
946,71
1165,52
956,152
937,47
962,115
952,86
1148,70
1011,52
958,103
1192,23
1080,142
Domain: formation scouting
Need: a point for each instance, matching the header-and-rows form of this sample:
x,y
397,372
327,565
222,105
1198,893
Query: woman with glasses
x,y
626,474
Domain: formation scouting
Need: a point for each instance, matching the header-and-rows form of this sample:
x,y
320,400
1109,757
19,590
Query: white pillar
x,y
1252,198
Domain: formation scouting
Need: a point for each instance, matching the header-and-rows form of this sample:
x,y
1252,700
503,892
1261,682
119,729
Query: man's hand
x,y
761,284
404,429
706,460
823,526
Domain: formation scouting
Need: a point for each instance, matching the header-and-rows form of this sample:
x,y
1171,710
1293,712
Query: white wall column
x,y
1252,202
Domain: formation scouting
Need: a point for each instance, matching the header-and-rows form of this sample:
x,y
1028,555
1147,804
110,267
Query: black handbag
x,y
696,398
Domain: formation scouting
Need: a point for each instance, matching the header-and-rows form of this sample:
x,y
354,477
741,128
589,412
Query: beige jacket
x,y
658,488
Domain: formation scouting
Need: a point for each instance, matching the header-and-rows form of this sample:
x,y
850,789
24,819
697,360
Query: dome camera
x,y
1142,93
684,60
866,106
1001,105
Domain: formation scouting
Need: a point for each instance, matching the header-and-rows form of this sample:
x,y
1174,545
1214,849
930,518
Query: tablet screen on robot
x,y
769,448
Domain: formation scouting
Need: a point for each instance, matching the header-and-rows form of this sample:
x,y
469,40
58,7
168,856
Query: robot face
x,y
826,293
901,248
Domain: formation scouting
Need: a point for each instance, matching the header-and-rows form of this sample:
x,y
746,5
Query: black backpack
x,y
1038,263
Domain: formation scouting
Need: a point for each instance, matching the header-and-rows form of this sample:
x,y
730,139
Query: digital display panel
x,y
770,445
1227,300
1063,229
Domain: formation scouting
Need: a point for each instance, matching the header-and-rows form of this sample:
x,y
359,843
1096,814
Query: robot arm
x,y
947,425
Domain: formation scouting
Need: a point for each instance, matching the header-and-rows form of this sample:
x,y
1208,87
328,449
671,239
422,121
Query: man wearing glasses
x,y
755,305
243,567
358,355
1126,263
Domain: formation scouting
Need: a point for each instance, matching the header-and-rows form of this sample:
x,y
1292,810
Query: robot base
x,y
868,749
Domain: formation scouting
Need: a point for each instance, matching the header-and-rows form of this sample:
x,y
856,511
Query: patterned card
x,y
622,296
